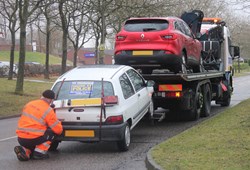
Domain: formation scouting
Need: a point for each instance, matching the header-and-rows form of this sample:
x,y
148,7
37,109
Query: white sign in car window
x,y
81,88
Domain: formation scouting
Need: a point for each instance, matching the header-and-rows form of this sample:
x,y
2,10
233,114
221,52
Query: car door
x,y
130,101
191,45
141,92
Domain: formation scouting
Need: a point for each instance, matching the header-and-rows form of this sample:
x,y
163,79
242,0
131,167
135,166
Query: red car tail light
x,y
169,37
120,38
114,119
118,52
110,99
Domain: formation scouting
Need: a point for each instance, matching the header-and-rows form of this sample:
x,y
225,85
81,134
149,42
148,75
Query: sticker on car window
x,y
81,88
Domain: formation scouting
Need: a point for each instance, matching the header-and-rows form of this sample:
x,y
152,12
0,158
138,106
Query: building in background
x,y
88,56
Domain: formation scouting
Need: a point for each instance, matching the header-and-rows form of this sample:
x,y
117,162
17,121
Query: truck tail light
x,y
110,100
120,38
171,94
114,119
169,37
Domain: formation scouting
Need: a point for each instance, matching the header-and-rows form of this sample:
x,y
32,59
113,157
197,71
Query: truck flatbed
x,y
162,76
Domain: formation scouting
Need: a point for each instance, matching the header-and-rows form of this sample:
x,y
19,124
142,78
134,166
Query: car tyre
x,y
151,113
123,145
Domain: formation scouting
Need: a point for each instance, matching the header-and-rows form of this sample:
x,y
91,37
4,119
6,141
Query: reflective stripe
x,y
54,124
41,121
40,151
31,130
46,112
46,145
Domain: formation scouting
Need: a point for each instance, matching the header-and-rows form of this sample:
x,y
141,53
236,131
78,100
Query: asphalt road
x,y
98,156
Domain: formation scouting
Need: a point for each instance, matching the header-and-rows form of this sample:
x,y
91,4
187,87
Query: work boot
x,y
21,154
38,155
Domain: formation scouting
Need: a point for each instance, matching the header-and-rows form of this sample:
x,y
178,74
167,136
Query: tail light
x,y
110,100
118,52
169,52
169,37
177,94
120,38
114,119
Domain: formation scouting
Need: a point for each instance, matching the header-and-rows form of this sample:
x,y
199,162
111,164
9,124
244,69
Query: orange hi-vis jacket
x,y
36,117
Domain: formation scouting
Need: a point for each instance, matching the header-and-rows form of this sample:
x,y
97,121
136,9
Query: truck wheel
x,y
226,95
123,144
53,146
194,113
206,108
226,99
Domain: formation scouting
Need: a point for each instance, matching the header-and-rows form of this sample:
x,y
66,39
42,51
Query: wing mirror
x,y
235,51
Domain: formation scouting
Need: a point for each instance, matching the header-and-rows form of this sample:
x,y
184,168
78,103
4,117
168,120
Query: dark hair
x,y
49,94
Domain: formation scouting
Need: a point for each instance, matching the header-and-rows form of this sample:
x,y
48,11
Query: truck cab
x,y
218,52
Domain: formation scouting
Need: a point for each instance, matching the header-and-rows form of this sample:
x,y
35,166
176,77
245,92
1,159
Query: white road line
x,y
1,140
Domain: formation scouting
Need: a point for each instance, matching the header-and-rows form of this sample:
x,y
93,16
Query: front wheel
x,y
226,100
206,108
123,145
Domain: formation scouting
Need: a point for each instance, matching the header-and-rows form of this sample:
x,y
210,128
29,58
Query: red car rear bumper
x,y
156,61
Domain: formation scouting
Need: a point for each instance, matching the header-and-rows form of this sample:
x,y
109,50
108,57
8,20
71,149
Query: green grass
x,y
244,69
32,56
12,104
222,142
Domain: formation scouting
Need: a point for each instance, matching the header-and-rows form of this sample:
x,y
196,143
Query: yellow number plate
x,y
79,133
142,52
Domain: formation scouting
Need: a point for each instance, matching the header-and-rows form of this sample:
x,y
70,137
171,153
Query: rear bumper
x,y
158,60
107,133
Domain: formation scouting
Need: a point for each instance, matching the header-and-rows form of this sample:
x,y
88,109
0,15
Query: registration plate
x,y
147,52
79,133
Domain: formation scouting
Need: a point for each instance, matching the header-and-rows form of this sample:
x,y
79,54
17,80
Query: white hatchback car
x,y
101,103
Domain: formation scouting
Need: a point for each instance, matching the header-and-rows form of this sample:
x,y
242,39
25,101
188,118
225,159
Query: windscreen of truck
x,y
145,25
83,89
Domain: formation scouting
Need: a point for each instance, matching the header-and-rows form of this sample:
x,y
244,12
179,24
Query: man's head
x,y
49,94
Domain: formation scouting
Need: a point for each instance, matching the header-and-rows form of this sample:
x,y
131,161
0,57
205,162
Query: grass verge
x,y
222,142
12,104
32,56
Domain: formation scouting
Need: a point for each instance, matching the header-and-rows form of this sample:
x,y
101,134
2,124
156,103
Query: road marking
x,y
1,140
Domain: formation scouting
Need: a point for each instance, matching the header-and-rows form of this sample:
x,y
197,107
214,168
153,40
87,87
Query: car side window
x,y
187,29
180,27
136,80
177,26
127,88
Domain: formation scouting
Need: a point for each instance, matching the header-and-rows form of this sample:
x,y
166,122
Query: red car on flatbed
x,y
158,43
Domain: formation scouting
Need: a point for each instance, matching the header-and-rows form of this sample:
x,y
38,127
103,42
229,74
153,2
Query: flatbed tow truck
x,y
190,94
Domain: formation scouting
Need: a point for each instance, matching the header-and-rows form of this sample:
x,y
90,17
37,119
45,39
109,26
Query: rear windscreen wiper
x,y
148,29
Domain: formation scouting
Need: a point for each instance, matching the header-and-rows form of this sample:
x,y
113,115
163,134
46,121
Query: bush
x,y
249,62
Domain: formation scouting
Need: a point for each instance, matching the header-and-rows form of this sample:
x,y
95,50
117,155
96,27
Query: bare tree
x,y
26,9
48,12
65,10
80,25
8,9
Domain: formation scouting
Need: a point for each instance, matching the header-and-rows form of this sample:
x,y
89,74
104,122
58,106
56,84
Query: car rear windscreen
x,y
83,89
145,25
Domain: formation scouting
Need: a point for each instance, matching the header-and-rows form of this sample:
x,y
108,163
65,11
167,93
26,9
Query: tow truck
x,y
189,93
